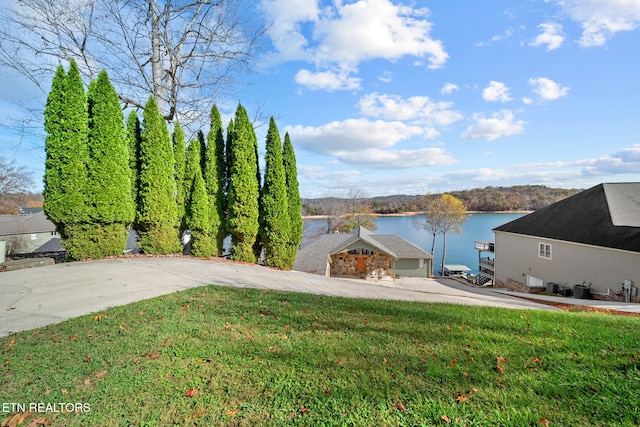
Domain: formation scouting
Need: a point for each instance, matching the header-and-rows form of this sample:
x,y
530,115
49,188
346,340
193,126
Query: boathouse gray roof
x,y
607,215
313,257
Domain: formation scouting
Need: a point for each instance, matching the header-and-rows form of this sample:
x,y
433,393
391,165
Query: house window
x,y
421,263
544,250
34,237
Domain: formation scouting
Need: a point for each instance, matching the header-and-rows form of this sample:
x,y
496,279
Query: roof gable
x,y
624,203
597,216
365,235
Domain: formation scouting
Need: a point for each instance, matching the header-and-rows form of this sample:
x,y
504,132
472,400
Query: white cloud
x,y
448,88
370,29
496,91
416,108
342,35
601,19
386,77
327,80
397,159
547,89
368,143
496,126
551,36
624,161
352,135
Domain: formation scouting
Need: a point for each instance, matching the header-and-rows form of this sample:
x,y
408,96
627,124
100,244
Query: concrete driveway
x,y
41,296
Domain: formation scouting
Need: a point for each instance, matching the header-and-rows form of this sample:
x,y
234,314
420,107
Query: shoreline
x,y
418,213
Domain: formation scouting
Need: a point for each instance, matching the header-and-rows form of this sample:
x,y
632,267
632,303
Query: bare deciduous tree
x,y
358,212
186,53
13,181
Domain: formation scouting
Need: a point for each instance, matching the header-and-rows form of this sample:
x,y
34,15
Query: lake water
x,y
460,249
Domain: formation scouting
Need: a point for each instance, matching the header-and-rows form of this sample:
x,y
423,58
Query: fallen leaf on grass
x,y
400,406
543,422
100,374
445,419
304,410
99,317
191,392
537,360
15,420
39,422
452,363
233,413
499,361
461,398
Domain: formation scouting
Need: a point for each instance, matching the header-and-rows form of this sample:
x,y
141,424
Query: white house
x,y
592,237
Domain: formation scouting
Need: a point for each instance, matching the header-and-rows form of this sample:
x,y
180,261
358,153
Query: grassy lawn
x,y
224,356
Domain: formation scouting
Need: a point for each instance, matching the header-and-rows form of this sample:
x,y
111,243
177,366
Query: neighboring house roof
x,y
25,224
29,211
607,215
313,257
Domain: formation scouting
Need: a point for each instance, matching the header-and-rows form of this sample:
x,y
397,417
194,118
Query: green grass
x,y
272,358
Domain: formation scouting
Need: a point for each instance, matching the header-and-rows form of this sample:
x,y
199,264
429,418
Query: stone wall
x,y
378,265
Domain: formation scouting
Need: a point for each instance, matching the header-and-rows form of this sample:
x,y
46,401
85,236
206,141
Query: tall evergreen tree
x,y
203,150
214,177
227,174
243,189
193,164
293,198
66,124
180,158
134,135
258,245
275,229
158,212
197,218
109,175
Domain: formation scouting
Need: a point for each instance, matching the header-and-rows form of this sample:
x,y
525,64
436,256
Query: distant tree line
x,y
520,197
104,175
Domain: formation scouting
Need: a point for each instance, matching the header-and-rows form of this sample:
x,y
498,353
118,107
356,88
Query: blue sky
x,y
401,97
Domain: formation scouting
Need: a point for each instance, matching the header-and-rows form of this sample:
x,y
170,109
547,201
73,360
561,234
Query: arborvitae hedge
x,y
214,178
134,136
198,221
275,230
66,124
243,189
293,198
157,215
109,175
180,158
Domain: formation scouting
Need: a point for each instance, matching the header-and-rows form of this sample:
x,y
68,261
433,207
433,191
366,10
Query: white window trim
x,y
544,250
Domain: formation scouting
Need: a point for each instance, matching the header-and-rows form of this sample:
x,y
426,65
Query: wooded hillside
x,y
520,197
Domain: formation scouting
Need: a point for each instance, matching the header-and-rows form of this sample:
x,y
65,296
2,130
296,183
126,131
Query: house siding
x,y
411,268
517,257
26,243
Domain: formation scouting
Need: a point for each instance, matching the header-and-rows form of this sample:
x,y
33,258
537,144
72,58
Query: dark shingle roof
x,y
312,258
606,215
